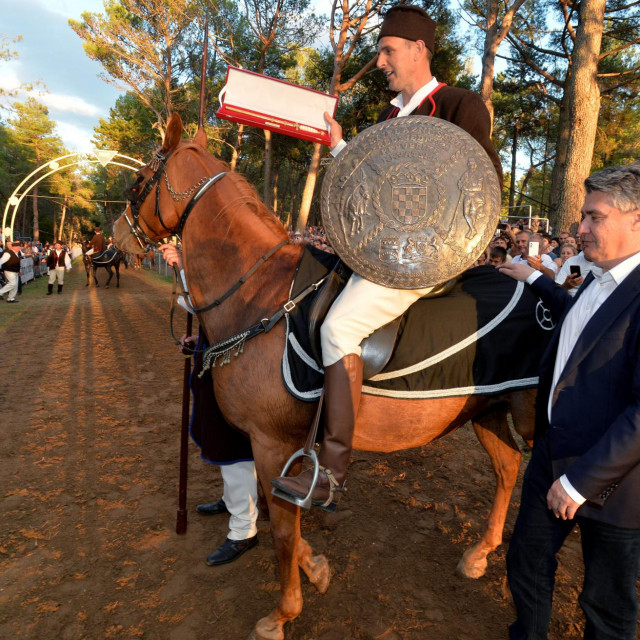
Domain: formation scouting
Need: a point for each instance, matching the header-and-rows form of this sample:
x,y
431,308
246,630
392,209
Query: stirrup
x,y
306,502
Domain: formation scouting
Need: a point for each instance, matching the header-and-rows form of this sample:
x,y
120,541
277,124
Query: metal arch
x,y
54,166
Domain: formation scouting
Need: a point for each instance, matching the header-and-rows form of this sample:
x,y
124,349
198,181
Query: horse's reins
x,y
158,165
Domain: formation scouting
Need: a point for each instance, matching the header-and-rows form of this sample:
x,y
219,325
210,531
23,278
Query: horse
x,y
229,232
110,260
147,254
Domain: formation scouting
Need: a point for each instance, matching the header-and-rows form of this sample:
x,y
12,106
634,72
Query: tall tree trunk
x,y
268,159
562,144
236,150
514,153
491,43
309,188
274,192
63,215
583,114
36,216
495,33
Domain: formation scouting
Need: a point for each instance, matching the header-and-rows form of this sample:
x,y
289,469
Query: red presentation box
x,y
276,105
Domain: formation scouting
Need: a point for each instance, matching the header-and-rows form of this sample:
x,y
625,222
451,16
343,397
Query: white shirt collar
x,y
417,97
622,270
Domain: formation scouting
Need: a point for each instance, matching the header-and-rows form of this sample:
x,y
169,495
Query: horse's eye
x,y
140,179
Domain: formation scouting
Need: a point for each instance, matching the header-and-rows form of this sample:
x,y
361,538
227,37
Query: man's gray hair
x,y
621,184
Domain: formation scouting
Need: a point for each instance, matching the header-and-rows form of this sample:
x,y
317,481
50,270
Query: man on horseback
x,y
98,242
405,48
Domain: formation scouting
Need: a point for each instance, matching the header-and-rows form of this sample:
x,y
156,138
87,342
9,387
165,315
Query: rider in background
x,y
98,242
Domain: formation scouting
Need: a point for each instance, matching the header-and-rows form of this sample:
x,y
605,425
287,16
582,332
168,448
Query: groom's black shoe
x,y
230,550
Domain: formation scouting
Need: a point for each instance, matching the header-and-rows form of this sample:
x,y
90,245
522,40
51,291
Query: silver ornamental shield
x,y
411,202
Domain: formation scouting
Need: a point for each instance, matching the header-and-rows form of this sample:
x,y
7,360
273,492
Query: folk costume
x,y
364,306
98,243
223,445
58,260
10,263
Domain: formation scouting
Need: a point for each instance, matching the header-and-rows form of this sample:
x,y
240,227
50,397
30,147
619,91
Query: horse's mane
x,y
248,195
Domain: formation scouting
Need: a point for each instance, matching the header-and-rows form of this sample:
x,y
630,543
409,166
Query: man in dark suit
x,y
585,463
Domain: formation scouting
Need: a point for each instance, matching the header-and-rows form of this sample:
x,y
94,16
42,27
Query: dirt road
x,y
88,463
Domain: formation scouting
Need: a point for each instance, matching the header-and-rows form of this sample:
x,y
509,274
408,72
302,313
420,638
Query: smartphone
x,y
574,269
534,248
502,225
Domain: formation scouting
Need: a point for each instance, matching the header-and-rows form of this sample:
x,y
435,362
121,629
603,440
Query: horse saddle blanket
x,y
485,337
104,257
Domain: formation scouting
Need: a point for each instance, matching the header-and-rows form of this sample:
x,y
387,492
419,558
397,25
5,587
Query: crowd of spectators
x,y
555,255
35,250
560,257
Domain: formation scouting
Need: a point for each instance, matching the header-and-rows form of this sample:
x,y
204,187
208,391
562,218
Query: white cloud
x,y
9,78
71,8
69,104
75,138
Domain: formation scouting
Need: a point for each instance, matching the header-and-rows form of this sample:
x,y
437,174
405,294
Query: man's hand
x,y
560,503
573,280
517,271
187,344
171,254
335,130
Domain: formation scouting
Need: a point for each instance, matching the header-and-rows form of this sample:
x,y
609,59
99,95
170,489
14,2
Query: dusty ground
x,y
90,411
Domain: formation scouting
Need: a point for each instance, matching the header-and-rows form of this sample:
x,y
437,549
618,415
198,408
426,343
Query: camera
x,y
502,226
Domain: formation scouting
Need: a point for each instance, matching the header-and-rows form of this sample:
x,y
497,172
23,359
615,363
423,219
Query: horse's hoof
x,y
266,629
473,570
321,574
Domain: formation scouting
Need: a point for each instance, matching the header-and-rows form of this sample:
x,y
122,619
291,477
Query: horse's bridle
x,y
158,166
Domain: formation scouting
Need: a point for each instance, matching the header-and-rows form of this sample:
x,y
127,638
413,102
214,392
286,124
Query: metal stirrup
x,y
307,452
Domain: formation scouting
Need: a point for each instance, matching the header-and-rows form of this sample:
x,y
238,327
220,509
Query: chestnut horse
x,y
225,235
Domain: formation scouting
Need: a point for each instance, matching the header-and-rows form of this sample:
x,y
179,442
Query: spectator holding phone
x,y
529,252
573,271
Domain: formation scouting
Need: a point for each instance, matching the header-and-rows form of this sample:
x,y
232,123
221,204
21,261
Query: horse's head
x,y
163,187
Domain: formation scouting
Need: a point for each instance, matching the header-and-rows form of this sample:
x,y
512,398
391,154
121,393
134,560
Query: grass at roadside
x,y
30,291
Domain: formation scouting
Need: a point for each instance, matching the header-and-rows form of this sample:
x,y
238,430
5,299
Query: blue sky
x,y
50,52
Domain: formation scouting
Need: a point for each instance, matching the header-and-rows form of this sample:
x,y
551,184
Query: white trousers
x,y
56,274
12,284
358,311
241,497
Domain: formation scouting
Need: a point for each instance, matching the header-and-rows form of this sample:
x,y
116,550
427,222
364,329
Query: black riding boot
x,y
343,388
50,291
59,288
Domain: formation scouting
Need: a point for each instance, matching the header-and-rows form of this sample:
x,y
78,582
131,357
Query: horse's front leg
x,y
316,568
110,271
285,529
493,432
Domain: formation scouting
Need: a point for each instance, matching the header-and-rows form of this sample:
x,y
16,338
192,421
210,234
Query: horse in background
x,y
110,260
147,254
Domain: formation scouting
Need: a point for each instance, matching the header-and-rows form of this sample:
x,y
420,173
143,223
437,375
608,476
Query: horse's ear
x,y
173,134
201,138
